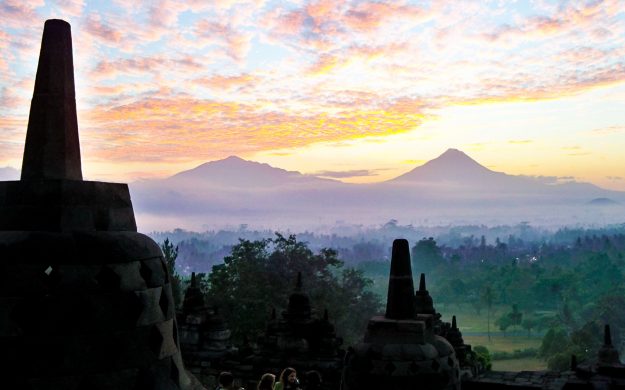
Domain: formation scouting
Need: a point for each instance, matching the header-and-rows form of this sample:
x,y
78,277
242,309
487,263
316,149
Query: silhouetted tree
x,y
170,253
426,256
487,297
260,275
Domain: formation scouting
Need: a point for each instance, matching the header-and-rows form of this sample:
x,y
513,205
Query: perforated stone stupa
x,y
401,350
85,300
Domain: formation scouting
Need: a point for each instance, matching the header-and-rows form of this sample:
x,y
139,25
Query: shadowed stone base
x,y
58,205
87,310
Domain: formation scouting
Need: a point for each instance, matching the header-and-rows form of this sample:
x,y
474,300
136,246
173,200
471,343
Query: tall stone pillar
x,y
85,300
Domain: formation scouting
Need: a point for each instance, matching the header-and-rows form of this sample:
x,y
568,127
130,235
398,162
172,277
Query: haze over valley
x,y
452,189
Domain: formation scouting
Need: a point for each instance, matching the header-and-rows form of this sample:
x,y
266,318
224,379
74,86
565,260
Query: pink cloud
x,y
109,69
18,13
236,42
570,18
371,15
95,27
69,7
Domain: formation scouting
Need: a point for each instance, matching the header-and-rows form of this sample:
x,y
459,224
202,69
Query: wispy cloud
x,y
346,174
609,130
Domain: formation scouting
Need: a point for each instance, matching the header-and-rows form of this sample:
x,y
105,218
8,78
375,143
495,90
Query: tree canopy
x,y
258,276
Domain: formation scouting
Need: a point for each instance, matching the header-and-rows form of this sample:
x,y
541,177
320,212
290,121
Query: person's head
x,y
266,382
225,379
288,375
313,379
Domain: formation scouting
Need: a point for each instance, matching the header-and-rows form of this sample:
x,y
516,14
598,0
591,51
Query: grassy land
x,y
524,364
474,329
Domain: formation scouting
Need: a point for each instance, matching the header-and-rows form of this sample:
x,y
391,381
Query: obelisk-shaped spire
x,y
400,299
52,148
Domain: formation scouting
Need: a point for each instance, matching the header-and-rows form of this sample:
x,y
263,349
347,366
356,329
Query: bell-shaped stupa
x,y
400,350
85,300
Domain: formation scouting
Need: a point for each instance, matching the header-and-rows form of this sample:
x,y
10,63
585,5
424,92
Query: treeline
x,y
581,282
356,244
257,278
565,284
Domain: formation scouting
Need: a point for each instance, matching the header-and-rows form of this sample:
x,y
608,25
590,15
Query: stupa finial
x,y
52,149
400,299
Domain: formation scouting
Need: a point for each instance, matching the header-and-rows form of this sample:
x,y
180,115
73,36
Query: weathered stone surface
x,y
401,349
80,247
60,205
85,300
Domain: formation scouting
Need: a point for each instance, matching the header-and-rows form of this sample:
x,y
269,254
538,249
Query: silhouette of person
x,y
267,382
312,380
288,380
226,382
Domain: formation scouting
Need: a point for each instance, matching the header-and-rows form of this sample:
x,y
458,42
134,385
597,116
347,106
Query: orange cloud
x,y
183,128
227,82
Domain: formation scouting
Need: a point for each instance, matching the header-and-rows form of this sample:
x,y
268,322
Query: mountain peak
x,y
452,151
232,158
233,171
453,164
457,156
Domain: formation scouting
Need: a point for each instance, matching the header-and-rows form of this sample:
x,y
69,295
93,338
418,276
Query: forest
x,y
527,297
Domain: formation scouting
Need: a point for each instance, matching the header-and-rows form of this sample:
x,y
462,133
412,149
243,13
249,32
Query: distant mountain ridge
x,y
451,187
8,174
237,172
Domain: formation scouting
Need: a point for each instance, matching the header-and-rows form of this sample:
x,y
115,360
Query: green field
x,y
474,329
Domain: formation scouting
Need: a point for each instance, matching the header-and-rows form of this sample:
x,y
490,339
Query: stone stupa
x,y
85,300
401,350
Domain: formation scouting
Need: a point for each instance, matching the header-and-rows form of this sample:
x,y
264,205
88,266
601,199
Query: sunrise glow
x,y
360,91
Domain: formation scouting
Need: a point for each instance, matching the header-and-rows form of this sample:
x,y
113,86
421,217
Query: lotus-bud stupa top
x,y
423,300
85,300
400,349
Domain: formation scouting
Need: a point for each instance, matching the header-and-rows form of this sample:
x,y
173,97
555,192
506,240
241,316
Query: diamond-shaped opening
x,y
175,331
48,270
133,308
163,302
414,367
146,274
155,340
450,361
165,272
174,373
108,279
435,365
390,367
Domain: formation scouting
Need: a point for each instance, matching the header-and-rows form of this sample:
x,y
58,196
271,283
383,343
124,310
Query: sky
x,y
356,90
